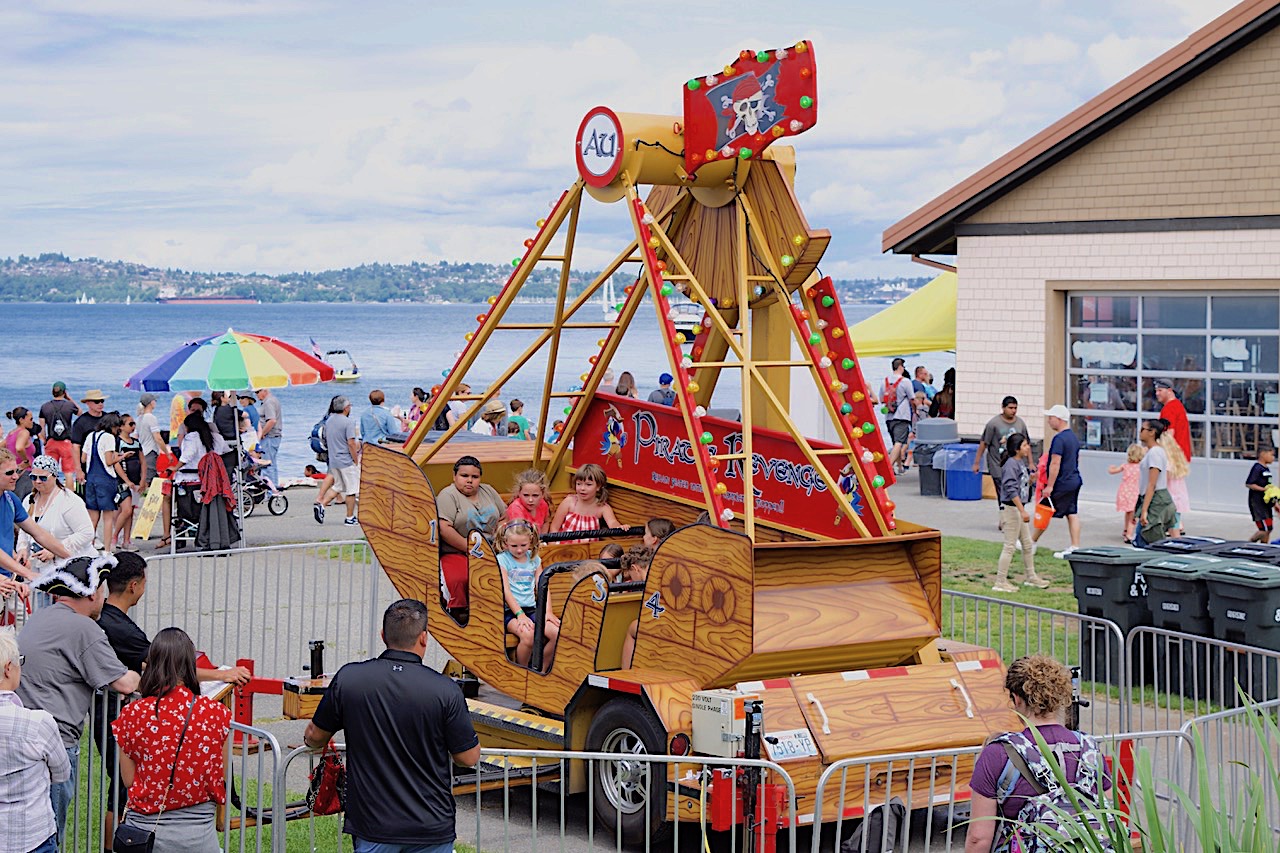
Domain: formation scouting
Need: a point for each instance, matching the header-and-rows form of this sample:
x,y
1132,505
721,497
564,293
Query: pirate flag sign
x,y
763,96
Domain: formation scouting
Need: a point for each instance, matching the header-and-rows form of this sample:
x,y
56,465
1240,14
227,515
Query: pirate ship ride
x,y
789,580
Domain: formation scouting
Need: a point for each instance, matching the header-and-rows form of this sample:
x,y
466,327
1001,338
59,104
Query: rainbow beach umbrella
x,y
228,362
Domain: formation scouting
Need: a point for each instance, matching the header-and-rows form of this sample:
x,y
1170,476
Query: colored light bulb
x,y
706,438
693,85
815,339
846,409
868,427
847,363
877,481
828,301
806,101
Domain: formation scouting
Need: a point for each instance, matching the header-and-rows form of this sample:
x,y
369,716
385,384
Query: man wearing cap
x,y
68,657
56,418
896,398
344,460
84,425
663,393
1064,482
31,756
153,444
269,432
1172,410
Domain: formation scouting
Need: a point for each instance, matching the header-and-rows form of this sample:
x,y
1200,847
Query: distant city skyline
x,y
285,136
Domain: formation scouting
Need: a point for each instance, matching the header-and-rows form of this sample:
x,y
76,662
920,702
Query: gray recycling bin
x,y
1244,602
930,478
1107,584
1189,544
1178,600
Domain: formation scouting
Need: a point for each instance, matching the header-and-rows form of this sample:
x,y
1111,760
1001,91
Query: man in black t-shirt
x,y
56,417
405,725
84,426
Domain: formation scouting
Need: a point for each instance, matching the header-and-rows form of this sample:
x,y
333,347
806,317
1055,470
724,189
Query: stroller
x,y
256,489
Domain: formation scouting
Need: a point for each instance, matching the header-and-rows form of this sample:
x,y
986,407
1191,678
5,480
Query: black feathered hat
x,y
79,577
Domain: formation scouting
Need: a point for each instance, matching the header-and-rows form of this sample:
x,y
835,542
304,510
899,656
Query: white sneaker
x,y
1017,544
1062,555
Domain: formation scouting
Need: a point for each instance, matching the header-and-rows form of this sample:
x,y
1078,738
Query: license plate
x,y
790,745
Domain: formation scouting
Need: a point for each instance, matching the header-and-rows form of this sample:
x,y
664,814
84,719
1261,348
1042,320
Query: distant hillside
x,y
54,277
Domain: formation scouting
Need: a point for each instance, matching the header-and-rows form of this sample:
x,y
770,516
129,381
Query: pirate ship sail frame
x,y
803,589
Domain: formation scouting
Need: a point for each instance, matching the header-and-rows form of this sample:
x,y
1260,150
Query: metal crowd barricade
x,y
933,788
1013,630
1237,755
1175,677
502,824
267,603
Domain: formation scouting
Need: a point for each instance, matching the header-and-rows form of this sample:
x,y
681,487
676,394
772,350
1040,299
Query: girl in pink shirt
x,y
530,500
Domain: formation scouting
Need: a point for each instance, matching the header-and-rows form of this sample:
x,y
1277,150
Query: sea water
x,y
396,346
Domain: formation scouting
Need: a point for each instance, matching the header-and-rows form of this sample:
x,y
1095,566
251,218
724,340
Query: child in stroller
x,y
256,485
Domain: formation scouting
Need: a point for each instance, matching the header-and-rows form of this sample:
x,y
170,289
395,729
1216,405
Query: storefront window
x,y
1221,353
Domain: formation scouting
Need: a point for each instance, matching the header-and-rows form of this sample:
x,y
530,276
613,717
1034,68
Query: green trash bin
x,y
1108,585
1244,601
1178,600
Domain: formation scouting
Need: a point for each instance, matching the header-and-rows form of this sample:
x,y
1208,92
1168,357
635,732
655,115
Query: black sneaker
x,y
318,511
350,520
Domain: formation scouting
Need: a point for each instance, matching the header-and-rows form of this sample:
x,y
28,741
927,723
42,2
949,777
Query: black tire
x,y
625,794
277,504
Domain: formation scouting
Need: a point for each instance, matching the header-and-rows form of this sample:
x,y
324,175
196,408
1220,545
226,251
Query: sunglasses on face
x,y
10,472
41,478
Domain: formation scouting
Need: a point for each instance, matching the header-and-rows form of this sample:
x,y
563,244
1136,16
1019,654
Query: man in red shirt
x,y
1175,413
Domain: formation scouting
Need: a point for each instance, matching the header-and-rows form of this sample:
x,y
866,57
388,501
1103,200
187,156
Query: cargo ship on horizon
x,y
208,300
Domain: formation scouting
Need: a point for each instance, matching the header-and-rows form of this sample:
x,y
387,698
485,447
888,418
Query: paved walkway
x,y
1099,522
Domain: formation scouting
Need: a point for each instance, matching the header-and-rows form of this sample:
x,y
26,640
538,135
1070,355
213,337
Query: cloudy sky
x,y
280,135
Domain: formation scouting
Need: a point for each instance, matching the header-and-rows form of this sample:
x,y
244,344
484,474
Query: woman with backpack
x,y
1017,802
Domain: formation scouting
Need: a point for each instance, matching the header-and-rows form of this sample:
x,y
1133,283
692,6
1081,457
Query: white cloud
x,y
1115,57
1046,49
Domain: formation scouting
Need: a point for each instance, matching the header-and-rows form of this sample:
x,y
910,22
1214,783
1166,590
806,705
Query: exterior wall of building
x,y
1209,148
1011,320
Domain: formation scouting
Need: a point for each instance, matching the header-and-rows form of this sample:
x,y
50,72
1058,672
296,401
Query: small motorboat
x,y
685,315
344,366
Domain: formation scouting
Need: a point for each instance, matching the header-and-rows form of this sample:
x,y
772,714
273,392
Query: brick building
x,y
1136,238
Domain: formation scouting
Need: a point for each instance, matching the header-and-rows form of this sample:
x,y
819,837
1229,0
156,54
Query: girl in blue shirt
x,y
520,565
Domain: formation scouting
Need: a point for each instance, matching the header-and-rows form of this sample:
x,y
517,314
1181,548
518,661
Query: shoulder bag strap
x,y
1020,764
176,755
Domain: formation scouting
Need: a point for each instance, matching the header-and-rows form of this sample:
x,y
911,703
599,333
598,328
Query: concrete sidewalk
x,y
1100,524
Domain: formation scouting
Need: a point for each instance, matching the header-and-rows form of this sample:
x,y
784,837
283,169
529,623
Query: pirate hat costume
x,y
79,577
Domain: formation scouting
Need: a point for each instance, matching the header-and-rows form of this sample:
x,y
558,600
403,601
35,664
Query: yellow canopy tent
x,y
925,321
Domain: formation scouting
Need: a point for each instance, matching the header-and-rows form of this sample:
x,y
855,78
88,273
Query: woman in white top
x,y
58,510
199,440
153,443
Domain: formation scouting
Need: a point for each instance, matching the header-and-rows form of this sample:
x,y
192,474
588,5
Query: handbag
x,y
327,791
133,839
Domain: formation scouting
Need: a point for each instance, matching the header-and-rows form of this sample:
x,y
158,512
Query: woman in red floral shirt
x,y
174,776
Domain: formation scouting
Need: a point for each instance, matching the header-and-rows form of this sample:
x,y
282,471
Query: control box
x,y
719,722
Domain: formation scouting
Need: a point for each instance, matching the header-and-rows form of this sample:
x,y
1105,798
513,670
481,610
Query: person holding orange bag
x,y
1015,492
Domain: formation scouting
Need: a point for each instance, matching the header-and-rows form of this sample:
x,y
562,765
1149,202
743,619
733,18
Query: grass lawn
x,y
969,565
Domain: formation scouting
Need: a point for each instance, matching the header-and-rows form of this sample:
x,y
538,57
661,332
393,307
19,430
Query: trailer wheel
x,y
629,794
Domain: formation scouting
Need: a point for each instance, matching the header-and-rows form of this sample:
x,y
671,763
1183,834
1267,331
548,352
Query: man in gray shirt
x,y
343,448
68,657
269,433
991,445
896,397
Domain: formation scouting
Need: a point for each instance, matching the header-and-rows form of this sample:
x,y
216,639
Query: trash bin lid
x,y
1190,567
1115,555
1245,573
1258,552
1189,544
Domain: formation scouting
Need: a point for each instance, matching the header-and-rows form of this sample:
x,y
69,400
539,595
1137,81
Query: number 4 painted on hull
x,y
655,605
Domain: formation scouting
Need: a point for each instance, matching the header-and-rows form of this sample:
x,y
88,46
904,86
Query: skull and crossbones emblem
x,y
747,106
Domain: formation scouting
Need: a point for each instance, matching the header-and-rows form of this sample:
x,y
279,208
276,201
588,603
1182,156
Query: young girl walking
x,y
1015,493
1127,493
588,506
530,502
521,566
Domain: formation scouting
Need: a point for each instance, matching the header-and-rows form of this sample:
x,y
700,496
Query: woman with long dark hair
x,y
172,750
22,446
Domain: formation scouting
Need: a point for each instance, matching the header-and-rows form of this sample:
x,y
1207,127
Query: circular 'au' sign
x,y
600,147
